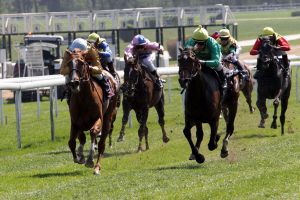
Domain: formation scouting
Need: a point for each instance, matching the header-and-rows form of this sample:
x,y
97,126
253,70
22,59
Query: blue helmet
x,y
79,43
139,40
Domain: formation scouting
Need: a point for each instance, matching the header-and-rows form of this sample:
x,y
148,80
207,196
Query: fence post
x,y
18,116
38,103
1,108
297,83
51,113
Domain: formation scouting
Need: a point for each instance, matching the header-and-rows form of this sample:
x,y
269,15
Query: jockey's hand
x,y
130,60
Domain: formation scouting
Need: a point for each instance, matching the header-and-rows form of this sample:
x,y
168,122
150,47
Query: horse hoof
x,y
224,154
200,158
75,160
274,126
81,161
139,150
192,157
212,147
120,139
252,110
89,164
261,126
166,139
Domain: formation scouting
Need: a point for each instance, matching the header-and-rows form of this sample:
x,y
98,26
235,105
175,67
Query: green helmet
x,y
93,37
268,31
224,33
200,34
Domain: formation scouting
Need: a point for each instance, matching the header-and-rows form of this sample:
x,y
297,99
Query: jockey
x,y
229,47
279,42
207,51
215,35
104,51
143,49
92,58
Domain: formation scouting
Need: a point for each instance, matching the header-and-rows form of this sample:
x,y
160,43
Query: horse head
x,y
189,66
79,70
267,54
133,76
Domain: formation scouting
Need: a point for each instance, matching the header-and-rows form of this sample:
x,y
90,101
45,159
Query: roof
x,y
56,39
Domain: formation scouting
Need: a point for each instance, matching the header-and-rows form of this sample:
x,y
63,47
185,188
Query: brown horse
x,y
139,94
271,84
88,111
202,101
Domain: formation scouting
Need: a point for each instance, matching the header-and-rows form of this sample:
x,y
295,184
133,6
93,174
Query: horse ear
x,y
180,49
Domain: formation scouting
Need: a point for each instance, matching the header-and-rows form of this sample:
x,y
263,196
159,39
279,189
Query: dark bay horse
x,y
202,101
272,85
236,83
139,94
88,111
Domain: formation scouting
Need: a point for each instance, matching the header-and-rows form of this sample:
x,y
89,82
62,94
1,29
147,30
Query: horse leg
x,y
261,104
94,132
229,127
72,143
274,123
247,93
138,114
284,105
101,143
112,120
199,135
188,135
126,110
161,114
82,140
146,137
214,137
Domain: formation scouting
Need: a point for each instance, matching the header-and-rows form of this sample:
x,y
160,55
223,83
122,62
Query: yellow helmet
x,y
200,34
224,33
268,31
93,37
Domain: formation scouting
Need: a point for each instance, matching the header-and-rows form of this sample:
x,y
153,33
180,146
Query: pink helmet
x,y
139,40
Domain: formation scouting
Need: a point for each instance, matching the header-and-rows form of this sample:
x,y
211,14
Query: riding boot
x,y
243,72
223,79
157,82
111,69
286,65
105,85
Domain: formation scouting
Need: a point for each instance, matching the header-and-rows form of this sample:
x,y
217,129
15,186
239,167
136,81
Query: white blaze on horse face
x,y
73,69
185,57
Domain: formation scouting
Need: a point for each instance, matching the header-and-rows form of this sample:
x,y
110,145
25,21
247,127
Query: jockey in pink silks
x,y
142,48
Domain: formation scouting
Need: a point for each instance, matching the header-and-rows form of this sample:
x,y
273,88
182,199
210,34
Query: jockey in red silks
x,y
143,49
277,41
215,35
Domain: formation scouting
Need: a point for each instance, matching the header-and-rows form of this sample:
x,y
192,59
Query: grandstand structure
x,y
71,23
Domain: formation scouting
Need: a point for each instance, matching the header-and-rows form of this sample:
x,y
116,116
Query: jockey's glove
x,y
95,70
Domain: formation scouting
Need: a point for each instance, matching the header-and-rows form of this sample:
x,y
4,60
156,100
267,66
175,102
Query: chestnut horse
x,y
272,85
88,111
202,101
139,94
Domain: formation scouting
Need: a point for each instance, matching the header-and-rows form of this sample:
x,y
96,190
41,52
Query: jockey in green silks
x,y
208,52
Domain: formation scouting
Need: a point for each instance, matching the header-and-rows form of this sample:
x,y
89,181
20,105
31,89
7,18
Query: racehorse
x,y
139,94
89,111
202,101
236,82
272,85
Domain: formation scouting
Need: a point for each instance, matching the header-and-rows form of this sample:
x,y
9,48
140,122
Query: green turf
x,y
261,163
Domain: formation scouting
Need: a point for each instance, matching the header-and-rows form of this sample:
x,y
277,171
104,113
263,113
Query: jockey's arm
x,y
215,54
255,48
283,44
64,69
